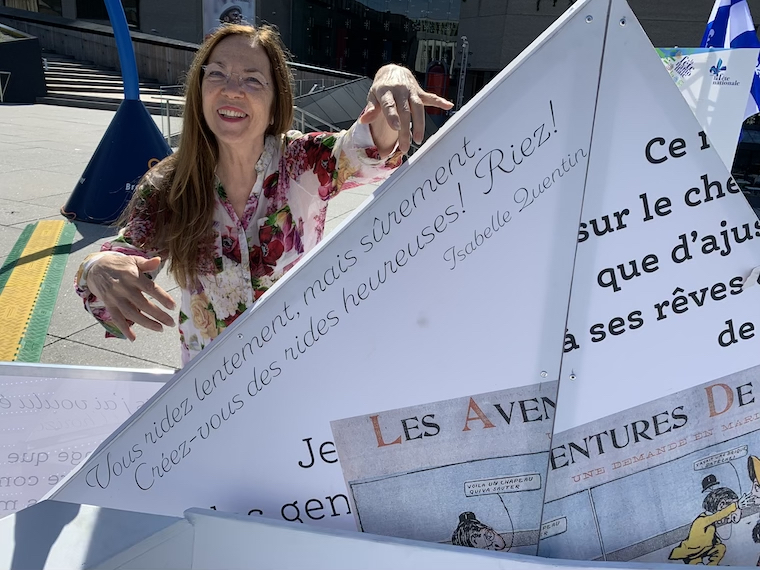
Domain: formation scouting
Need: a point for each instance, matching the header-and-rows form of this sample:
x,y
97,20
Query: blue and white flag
x,y
730,26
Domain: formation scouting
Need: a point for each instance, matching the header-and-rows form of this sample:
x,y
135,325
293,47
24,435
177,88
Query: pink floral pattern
x,y
278,227
231,244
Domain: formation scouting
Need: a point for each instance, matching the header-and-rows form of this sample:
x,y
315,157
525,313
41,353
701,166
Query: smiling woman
x,y
243,198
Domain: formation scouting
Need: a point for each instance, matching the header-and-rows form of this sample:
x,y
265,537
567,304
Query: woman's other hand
x,y
396,109
120,283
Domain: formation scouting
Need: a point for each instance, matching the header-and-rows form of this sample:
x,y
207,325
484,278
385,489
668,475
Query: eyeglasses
x,y
248,81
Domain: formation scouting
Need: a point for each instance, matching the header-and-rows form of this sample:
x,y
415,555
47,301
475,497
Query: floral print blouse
x,y
283,219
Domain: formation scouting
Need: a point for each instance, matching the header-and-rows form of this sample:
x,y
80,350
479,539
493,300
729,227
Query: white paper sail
x,y
452,280
653,406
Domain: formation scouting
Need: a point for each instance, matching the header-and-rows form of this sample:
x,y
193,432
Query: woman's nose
x,y
232,85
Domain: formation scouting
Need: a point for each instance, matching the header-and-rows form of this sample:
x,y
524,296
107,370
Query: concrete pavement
x,y
43,151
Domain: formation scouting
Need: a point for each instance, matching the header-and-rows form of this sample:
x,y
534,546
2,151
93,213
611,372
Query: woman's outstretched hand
x,y
120,283
396,109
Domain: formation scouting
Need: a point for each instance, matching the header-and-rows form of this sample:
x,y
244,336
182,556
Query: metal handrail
x,y
330,127
303,120
315,85
166,98
302,123
4,86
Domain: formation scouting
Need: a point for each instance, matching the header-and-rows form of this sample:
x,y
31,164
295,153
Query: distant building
x,y
359,36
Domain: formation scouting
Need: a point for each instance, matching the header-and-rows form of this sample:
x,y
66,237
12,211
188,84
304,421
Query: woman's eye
x,y
251,80
216,74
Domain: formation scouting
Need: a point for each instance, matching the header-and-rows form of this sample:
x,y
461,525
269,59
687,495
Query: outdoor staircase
x,y
74,83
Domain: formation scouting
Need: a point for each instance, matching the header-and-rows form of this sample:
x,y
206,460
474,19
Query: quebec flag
x,y
730,26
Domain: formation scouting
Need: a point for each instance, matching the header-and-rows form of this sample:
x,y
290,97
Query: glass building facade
x,y
50,7
95,10
359,36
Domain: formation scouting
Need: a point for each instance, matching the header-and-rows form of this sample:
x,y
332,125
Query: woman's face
x,y
238,92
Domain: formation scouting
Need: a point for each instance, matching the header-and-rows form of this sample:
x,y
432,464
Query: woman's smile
x,y
231,114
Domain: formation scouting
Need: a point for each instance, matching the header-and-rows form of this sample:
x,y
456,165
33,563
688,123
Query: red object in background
x,y
436,81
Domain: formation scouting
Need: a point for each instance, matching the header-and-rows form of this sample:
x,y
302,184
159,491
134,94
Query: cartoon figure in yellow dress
x,y
721,505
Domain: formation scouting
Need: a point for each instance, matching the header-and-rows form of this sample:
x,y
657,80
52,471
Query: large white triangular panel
x,y
450,285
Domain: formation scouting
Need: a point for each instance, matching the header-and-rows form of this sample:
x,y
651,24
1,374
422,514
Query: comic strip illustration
x,y
673,480
487,492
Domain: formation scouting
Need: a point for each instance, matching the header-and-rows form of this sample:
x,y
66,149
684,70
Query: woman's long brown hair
x,y
185,180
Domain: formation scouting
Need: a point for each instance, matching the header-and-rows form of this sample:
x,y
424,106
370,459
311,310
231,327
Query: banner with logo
x,y
715,84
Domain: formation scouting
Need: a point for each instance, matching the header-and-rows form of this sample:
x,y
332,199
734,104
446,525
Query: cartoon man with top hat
x,y
471,532
703,545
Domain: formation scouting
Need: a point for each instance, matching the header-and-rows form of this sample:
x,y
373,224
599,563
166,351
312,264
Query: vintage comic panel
x,y
468,471
673,480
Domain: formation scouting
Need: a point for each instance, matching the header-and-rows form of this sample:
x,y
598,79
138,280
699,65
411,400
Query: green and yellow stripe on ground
x,y
29,283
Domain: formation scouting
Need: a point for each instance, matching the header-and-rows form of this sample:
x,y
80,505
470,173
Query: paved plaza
x,y
44,149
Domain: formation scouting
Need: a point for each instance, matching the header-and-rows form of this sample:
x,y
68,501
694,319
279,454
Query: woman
x,y
242,199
